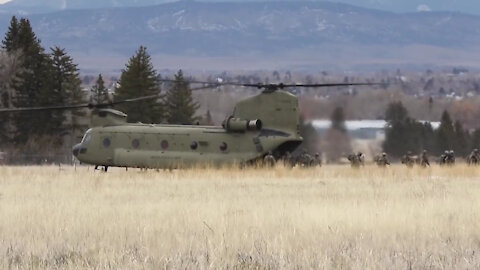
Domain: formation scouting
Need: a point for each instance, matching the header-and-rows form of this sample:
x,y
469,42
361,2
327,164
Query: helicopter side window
x,y
194,145
223,146
107,142
164,144
135,143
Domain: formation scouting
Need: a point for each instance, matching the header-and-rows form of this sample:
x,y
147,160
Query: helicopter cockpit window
x,y
223,146
107,142
87,137
135,143
194,145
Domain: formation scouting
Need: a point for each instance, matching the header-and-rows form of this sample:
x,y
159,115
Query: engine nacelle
x,y
232,124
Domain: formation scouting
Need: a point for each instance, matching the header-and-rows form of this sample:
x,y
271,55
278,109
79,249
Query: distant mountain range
x,y
29,6
300,34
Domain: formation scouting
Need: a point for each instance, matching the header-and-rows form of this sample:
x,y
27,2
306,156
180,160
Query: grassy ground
x,y
334,217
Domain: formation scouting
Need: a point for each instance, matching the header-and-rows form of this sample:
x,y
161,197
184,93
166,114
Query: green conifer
x,y
65,89
99,93
338,120
445,134
475,141
461,143
140,79
181,108
34,81
10,42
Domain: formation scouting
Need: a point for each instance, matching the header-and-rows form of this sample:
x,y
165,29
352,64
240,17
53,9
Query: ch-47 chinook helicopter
x,y
266,122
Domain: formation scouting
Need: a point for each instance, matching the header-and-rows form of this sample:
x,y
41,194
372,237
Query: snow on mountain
x,y
268,29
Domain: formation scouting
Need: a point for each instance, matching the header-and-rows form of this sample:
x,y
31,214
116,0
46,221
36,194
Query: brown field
x,y
334,217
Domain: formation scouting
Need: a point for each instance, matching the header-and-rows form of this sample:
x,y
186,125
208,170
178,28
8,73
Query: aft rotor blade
x,y
329,85
274,86
128,100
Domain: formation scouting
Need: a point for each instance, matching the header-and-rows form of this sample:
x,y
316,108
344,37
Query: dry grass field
x,y
334,217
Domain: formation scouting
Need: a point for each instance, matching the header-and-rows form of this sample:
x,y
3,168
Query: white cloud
x,y
423,8
4,1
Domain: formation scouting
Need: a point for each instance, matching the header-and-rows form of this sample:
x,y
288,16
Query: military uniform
x,y
288,160
451,158
305,159
424,162
408,159
356,160
474,157
382,160
317,160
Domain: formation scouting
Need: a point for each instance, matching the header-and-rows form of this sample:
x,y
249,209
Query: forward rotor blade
x,y
47,108
77,106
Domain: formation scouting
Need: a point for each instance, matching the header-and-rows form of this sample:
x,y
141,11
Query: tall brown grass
x,y
333,217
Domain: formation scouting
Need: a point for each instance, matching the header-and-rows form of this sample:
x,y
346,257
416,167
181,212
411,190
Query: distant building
x,y
361,129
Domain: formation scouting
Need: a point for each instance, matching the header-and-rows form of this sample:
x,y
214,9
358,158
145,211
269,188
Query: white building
x,y
361,129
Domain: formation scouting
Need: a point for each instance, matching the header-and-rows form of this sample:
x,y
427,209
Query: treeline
x,y
34,77
404,133
37,78
139,79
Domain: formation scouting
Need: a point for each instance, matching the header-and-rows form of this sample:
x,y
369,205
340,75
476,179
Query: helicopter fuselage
x,y
173,146
268,122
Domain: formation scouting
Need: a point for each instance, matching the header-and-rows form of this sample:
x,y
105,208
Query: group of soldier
x,y
304,159
447,158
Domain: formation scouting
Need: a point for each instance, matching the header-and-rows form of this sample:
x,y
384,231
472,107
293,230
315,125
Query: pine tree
x,y
338,120
207,119
10,42
403,133
428,138
181,107
310,137
337,142
33,82
140,79
9,67
445,134
65,89
396,112
78,122
475,142
99,93
461,144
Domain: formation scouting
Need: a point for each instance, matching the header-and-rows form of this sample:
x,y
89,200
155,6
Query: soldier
x,y
288,160
382,160
353,160
451,158
408,160
361,159
356,160
444,157
424,162
474,157
269,159
317,160
305,159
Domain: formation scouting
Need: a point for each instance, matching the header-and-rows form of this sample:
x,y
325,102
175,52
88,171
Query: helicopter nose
x,y
76,149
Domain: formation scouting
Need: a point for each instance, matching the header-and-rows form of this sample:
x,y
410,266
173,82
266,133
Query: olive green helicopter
x,y
268,122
